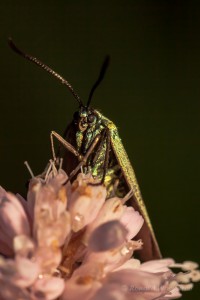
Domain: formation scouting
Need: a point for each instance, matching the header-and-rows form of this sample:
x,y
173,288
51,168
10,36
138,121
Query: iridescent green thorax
x,y
88,125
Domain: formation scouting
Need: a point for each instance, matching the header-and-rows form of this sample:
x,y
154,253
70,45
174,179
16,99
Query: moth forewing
x,y
151,249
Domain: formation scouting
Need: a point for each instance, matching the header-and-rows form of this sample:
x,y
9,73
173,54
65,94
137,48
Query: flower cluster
x,y
66,241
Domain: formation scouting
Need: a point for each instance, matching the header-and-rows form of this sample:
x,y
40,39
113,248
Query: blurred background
x,y
151,92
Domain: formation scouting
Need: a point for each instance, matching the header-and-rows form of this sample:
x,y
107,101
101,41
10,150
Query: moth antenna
x,y
45,67
101,76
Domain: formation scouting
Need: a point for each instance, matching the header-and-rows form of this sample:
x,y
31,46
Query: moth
x,y
91,141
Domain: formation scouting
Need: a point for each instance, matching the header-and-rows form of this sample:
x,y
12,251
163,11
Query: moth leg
x,y
67,145
115,186
105,167
84,158
106,135
99,148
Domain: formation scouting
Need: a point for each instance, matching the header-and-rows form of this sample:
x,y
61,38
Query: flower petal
x,y
21,272
51,287
130,264
84,282
107,236
85,204
132,221
110,292
13,220
154,266
112,209
48,258
23,246
139,283
10,291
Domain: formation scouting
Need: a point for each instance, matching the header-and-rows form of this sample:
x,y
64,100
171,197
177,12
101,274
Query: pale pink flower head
x,y
13,221
68,242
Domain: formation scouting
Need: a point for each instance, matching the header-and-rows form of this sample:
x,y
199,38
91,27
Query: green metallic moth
x,y
92,141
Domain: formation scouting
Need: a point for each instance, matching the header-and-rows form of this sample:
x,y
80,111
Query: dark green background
x,y
151,91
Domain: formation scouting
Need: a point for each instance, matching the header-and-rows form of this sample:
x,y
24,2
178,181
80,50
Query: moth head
x,y
85,118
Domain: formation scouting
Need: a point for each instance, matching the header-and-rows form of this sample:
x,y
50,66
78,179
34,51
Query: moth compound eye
x,y
91,118
82,126
83,113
